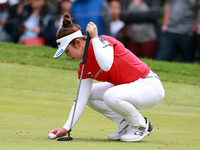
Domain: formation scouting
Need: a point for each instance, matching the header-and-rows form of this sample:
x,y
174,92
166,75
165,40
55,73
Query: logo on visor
x,y
59,52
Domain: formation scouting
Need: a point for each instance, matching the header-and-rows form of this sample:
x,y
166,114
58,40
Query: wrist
x,y
93,37
66,127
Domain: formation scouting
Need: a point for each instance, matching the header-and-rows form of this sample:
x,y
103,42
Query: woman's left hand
x,y
59,132
91,29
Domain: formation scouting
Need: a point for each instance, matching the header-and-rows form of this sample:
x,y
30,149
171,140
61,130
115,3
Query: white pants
x,y
124,101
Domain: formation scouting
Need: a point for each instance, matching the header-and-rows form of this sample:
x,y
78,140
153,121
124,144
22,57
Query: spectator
x,y
64,7
124,5
15,14
196,44
96,11
141,20
116,24
177,30
35,21
4,12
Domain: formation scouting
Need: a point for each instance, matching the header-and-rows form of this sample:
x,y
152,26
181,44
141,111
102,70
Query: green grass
x,y
37,93
43,56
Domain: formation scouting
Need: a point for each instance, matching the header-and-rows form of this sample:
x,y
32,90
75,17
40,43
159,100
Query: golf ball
x,y
51,136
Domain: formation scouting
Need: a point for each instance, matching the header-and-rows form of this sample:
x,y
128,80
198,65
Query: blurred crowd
x,y
165,31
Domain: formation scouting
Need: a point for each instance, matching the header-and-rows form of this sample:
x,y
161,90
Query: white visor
x,y
64,42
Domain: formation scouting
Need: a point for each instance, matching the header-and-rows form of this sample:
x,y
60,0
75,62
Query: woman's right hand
x,y
59,132
92,30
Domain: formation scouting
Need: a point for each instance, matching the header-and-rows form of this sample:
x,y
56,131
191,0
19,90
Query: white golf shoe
x,y
136,134
122,129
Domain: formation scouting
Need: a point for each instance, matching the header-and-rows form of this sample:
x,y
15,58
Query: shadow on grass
x,y
98,140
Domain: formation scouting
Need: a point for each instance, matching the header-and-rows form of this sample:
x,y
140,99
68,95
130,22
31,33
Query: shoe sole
x,y
149,131
138,140
115,139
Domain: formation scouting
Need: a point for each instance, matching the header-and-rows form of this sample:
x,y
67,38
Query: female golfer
x,y
127,84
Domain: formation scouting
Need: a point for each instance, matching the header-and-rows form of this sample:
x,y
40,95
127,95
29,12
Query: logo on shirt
x,y
89,73
104,42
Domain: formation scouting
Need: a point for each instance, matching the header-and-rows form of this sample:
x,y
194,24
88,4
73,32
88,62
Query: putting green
x,y
34,100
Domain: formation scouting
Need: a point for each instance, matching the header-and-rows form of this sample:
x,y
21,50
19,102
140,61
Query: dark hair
x,y
67,27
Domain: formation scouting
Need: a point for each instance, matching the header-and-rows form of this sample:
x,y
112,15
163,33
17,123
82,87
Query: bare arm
x,y
166,17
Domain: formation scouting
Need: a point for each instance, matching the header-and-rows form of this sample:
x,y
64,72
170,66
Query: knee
x,y
109,98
